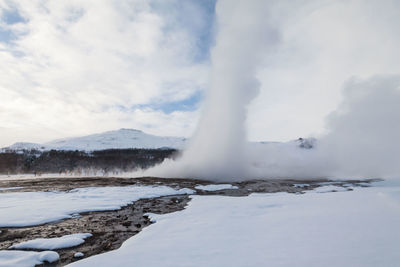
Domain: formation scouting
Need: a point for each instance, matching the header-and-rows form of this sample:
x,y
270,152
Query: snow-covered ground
x,y
33,208
26,258
351,228
66,241
215,187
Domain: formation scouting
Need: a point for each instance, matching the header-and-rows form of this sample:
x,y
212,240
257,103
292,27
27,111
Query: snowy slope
x,y
24,146
123,138
119,139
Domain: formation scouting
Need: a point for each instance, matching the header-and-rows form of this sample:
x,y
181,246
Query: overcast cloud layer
x,y
78,67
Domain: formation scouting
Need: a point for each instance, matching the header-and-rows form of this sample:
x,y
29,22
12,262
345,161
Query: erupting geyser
x,y
362,137
217,150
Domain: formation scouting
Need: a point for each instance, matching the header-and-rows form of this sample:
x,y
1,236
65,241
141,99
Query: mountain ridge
x,y
129,139
118,139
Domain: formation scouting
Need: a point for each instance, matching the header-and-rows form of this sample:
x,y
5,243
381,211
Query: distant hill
x,y
112,151
119,139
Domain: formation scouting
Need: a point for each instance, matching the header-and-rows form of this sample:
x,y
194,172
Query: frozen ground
x,y
33,208
350,228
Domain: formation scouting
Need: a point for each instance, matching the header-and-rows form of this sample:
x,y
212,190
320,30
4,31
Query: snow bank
x,y
353,228
66,241
215,187
26,258
20,209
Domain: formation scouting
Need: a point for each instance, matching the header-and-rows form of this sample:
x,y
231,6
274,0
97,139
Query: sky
x,y
71,68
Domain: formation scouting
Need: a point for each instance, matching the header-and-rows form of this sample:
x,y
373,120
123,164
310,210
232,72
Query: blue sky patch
x,y
6,35
9,17
189,104
12,17
197,18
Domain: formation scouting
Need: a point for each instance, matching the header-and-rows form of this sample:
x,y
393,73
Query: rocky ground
x,y
111,228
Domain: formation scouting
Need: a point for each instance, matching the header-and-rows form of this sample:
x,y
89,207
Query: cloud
x,y
73,63
66,61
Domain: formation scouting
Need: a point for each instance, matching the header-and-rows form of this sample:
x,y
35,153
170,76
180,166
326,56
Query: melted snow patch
x,y
66,241
26,258
215,187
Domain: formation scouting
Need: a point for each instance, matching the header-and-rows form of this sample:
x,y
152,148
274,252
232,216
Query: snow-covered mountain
x,y
130,138
119,139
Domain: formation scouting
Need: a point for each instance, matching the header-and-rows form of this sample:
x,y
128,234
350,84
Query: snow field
x,y
352,228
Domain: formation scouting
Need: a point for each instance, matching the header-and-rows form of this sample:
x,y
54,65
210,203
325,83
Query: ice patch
x,y
20,209
66,241
26,258
215,187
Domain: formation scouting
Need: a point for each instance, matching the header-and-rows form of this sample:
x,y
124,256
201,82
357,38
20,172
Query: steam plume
x,y
217,150
363,133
